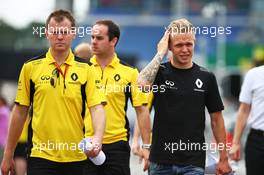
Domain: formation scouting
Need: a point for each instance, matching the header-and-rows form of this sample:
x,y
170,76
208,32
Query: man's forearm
x,y
242,117
239,128
99,120
219,132
144,123
136,133
148,74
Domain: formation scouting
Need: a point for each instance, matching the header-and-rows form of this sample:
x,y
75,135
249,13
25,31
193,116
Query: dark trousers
x,y
255,152
116,163
39,166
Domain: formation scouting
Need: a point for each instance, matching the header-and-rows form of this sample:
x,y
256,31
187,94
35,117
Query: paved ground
x,y
136,168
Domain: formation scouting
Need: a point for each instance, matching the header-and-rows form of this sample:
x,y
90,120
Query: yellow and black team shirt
x,y
58,104
24,135
118,82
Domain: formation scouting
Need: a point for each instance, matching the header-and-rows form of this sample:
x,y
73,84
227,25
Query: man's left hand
x,y
96,147
145,156
223,167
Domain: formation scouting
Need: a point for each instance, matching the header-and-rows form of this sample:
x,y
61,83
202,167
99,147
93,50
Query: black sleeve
x,y
159,75
213,100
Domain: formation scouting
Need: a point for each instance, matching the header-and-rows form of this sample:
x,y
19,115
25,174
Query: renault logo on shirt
x,y
117,77
74,76
198,83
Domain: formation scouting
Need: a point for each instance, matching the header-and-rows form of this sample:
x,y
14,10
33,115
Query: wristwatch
x,y
146,146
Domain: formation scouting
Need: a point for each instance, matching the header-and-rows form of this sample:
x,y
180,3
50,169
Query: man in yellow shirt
x,y
118,82
58,86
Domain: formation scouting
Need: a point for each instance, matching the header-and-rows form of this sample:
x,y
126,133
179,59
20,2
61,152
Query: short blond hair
x,y
181,25
83,50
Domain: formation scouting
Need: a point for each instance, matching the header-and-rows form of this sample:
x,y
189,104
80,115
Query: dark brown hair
x,y
113,29
59,16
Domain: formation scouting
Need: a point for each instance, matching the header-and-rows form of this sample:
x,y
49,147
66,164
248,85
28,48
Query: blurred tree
x,y
17,39
8,35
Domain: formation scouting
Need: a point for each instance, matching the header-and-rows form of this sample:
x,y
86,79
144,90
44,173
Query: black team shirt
x,y
180,99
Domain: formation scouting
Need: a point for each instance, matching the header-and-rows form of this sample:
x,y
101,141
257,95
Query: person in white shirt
x,y
251,112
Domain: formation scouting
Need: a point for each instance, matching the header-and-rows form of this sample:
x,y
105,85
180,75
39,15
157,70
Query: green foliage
x,y
16,39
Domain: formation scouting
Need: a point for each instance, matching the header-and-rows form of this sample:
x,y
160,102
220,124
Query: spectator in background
x,y
251,112
83,50
4,115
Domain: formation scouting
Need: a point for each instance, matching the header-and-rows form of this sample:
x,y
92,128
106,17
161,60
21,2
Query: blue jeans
x,y
164,169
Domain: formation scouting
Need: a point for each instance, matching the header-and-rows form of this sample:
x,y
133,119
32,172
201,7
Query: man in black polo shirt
x,y
182,90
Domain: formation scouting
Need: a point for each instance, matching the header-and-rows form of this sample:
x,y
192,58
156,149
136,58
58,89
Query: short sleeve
x,y
157,77
23,89
246,89
139,98
213,100
94,93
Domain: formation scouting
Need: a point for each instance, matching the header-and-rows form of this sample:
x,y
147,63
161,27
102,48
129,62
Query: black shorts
x,y
21,150
39,166
117,160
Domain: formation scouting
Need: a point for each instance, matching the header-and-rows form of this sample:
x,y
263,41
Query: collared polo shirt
x,y
57,123
118,81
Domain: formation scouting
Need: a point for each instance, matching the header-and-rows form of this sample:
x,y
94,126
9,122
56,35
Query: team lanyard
x,y
60,71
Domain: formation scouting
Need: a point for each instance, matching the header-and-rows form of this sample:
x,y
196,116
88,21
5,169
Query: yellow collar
x,y
69,60
113,63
